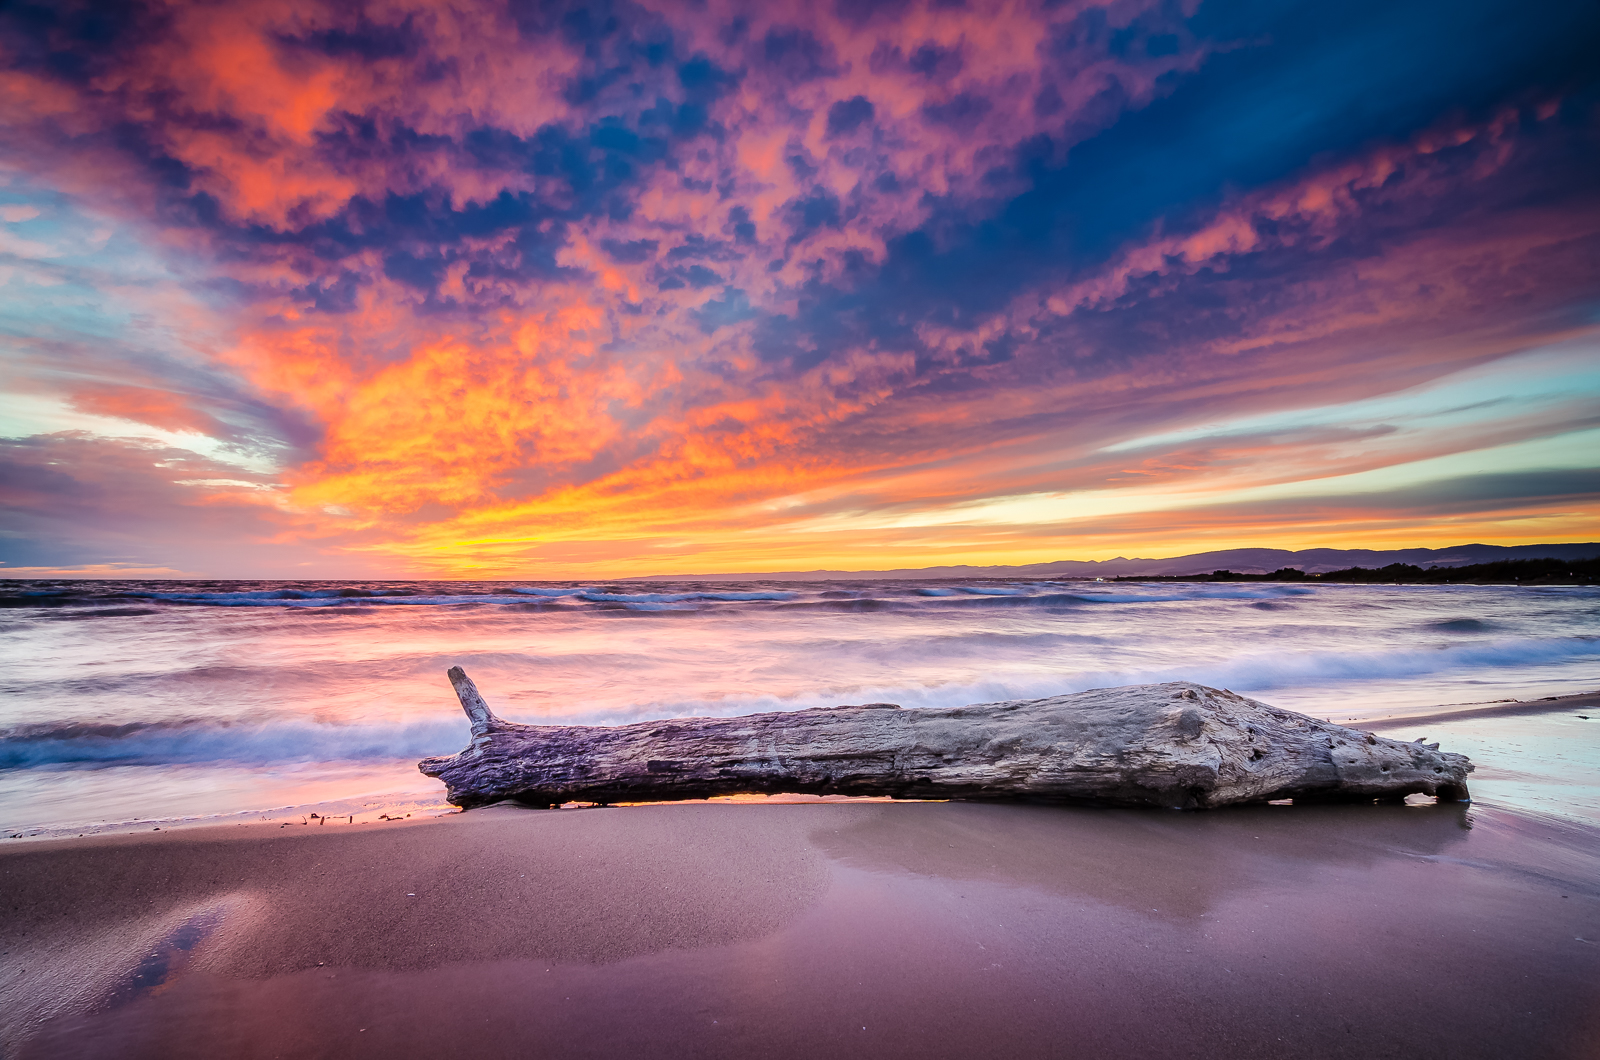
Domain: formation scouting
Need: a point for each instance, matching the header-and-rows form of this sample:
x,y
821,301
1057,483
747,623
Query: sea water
x,y
155,701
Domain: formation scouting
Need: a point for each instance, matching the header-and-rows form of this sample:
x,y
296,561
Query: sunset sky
x,y
504,289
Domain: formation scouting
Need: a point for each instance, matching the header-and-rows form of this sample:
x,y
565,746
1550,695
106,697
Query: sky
x,y
305,289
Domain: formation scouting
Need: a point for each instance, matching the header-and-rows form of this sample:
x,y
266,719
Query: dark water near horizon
x,y
147,700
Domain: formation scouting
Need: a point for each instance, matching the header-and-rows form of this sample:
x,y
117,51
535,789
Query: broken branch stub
x,y
1175,744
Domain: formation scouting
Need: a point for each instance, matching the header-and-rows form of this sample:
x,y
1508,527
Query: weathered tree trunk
x,y
1175,744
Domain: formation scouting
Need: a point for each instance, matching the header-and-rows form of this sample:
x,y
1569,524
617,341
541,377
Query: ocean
x,y
126,703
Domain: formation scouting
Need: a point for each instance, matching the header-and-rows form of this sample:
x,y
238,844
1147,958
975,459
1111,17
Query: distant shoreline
x,y
1240,562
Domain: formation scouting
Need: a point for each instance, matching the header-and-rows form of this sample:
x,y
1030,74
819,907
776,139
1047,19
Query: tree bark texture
x,y
1175,744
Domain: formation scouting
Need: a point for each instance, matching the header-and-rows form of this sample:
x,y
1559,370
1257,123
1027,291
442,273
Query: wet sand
x,y
919,930
1585,702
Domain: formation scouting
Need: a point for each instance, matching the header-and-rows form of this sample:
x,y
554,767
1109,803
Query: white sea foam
x,y
673,598
361,597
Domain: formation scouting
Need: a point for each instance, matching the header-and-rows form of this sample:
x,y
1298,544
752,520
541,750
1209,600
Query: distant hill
x,y
1241,560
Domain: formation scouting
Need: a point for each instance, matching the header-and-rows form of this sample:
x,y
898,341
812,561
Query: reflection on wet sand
x,y
1175,865
920,930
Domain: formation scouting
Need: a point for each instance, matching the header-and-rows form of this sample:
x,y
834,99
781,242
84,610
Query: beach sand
x,y
916,930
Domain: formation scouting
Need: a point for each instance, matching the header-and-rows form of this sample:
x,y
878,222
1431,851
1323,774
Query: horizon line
x,y
165,574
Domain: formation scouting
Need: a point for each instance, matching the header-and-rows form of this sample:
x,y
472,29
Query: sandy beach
x,y
886,930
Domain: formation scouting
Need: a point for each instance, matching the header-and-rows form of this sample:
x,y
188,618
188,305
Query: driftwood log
x,y
1176,744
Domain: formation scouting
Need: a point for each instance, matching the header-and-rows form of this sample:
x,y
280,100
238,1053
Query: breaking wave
x,y
200,740
480,594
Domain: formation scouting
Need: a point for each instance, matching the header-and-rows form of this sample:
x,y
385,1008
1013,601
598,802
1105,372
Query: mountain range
x,y
1238,560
